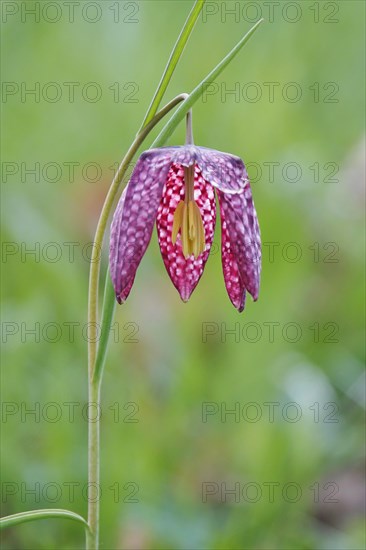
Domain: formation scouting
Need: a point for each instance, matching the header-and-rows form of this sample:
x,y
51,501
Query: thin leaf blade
x,y
34,515
199,89
173,60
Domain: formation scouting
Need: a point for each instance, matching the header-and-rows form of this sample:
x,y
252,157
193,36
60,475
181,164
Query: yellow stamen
x,y
191,219
188,220
177,221
185,233
200,239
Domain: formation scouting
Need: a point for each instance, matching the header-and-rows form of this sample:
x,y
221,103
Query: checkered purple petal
x,y
224,171
134,217
240,223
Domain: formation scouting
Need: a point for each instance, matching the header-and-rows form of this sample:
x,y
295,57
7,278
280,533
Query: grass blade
x,y
173,60
33,515
109,306
198,91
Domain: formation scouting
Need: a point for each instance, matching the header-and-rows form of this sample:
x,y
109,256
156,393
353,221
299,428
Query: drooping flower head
x,y
175,186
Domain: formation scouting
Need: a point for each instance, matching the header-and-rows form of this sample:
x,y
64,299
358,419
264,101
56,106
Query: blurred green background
x,y
290,366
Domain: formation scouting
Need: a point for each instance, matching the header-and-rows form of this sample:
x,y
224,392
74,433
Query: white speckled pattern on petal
x,y
233,282
225,172
134,218
241,228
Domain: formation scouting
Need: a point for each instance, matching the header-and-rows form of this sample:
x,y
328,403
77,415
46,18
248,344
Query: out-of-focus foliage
x,y
299,348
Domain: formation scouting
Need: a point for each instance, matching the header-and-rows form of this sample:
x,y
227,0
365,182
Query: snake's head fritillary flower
x,y
175,186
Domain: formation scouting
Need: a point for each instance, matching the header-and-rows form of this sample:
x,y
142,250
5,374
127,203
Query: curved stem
x,y
102,224
95,376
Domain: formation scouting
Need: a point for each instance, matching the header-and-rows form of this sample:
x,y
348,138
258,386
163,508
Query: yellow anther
x,y
191,220
177,221
185,234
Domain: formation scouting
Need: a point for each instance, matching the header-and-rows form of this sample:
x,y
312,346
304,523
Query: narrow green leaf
x,y
198,91
109,305
32,515
173,60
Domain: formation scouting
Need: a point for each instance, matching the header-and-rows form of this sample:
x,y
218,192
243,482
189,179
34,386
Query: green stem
x,y
96,368
92,536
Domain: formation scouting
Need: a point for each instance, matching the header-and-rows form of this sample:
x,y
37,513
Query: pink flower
x,y
175,186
